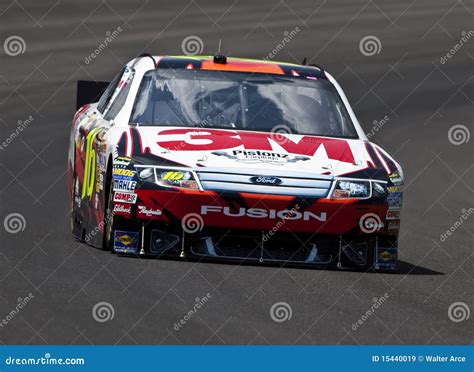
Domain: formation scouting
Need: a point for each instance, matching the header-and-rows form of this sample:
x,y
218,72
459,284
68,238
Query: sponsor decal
x,y
393,214
126,241
284,214
394,189
119,208
386,258
395,178
265,180
393,225
394,200
125,197
174,175
124,185
257,156
90,164
149,211
125,173
122,161
214,140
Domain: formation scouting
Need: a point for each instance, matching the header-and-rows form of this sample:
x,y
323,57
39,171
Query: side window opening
x,y
119,100
104,100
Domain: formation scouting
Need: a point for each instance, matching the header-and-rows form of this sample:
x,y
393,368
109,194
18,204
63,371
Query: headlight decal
x,y
170,178
346,188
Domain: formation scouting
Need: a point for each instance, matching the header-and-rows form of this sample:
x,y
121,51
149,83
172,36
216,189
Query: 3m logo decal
x,y
90,164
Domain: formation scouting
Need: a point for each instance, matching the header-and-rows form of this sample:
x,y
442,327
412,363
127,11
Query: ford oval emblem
x,y
265,180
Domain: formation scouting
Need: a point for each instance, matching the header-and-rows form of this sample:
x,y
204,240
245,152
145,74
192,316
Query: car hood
x,y
281,152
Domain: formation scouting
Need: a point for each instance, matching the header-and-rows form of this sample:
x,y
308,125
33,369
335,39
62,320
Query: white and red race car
x,y
226,158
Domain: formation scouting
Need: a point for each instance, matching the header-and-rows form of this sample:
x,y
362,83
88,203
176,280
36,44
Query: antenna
x,y
219,50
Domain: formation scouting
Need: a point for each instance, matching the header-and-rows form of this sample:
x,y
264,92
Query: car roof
x,y
233,64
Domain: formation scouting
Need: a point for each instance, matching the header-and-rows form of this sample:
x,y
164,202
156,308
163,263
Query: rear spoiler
x,y
89,92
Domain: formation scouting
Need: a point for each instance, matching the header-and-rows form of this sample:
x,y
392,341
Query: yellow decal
x,y
124,172
90,166
126,239
386,256
173,176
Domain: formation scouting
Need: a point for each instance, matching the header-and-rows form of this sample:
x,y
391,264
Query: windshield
x,y
230,100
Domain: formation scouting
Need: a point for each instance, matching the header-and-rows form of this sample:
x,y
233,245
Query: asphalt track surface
x,y
405,82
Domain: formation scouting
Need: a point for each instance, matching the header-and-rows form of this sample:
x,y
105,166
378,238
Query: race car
x,y
220,158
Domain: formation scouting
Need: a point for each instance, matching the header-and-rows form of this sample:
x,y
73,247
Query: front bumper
x,y
260,228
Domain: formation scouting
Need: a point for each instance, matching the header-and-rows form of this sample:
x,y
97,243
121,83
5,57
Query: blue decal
x,y
386,258
126,241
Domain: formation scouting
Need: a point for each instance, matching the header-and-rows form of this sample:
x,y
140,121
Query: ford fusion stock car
x,y
231,159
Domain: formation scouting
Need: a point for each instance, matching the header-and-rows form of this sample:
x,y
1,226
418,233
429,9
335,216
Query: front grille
x,y
252,246
240,180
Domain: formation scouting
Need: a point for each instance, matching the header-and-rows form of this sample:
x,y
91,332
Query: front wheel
x,y
109,220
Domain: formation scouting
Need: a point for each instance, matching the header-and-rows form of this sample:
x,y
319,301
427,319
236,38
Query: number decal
x,y
91,164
